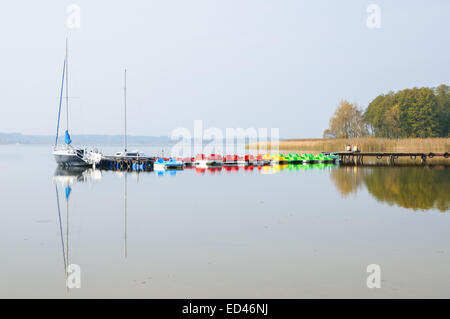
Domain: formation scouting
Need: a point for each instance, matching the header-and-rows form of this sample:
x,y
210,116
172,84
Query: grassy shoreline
x,y
365,144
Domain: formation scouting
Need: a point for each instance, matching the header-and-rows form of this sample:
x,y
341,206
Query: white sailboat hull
x,y
208,163
69,157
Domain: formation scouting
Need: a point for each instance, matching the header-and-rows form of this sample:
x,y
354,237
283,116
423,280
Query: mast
x,y
60,102
61,230
67,86
125,107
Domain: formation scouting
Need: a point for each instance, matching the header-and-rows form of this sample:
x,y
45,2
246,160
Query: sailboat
x,y
68,155
125,153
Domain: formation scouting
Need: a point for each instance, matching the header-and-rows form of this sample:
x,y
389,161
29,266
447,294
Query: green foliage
x,y
417,112
442,93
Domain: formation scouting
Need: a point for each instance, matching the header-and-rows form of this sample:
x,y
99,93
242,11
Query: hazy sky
x,y
230,63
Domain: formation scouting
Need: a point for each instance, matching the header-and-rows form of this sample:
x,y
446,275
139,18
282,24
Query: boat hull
x,y
69,160
208,163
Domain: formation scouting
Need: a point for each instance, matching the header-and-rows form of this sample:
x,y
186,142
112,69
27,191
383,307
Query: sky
x,y
231,63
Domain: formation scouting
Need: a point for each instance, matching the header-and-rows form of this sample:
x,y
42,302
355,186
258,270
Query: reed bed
x,y
365,144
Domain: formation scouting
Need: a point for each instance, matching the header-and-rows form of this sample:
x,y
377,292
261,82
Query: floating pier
x,y
146,163
357,158
134,163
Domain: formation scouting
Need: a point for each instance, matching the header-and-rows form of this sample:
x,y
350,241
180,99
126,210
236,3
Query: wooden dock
x,y
357,158
145,163
129,163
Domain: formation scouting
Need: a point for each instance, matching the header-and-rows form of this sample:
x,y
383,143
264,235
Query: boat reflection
x,y
67,178
417,188
166,172
73,175
211,170
273,169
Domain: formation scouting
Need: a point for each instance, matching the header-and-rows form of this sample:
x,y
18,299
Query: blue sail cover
x,y
68,190
68,140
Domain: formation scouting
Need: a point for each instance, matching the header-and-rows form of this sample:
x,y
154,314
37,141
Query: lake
x,y
294,231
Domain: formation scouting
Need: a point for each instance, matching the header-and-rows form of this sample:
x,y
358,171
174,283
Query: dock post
x,y
391,160
423,159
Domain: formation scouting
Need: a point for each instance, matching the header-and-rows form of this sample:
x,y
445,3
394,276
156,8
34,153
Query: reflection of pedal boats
x,y
169,172
162,164
210,170
232,168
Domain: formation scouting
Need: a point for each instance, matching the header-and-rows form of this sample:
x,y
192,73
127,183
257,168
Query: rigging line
x,y
60,102
60,229
67,86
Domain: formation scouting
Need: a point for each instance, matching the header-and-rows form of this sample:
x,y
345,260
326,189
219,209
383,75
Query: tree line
x,y
417,112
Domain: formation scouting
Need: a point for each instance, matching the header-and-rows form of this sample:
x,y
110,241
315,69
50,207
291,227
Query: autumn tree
x,y
380,120
346,122
443,108
416,112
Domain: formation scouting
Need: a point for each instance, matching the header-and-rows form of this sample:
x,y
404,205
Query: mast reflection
x,y
66,178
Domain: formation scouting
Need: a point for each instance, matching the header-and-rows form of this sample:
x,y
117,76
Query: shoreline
x,y
365,144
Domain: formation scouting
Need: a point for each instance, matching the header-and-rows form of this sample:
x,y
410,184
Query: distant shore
x,y
84,139
365,144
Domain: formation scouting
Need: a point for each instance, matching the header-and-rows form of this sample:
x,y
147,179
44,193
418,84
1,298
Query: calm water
x,y
282,232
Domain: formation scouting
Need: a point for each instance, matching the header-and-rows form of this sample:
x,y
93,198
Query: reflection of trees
x,y
409,187
348,179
